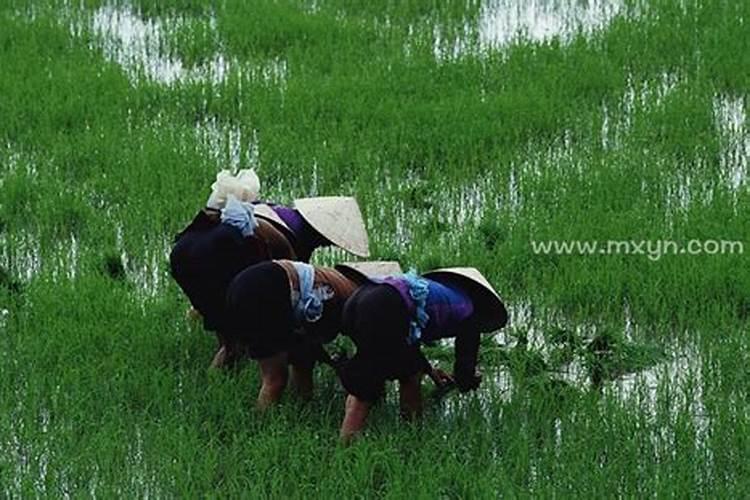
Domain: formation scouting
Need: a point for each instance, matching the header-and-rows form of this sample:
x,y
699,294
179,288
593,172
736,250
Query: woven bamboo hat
x,y
266,212
489,310
363,271
339,220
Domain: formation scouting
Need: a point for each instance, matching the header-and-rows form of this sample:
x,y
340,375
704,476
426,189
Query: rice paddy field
x,y
469,131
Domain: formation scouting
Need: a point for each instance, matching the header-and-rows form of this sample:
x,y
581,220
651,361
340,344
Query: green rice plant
x,y
619,375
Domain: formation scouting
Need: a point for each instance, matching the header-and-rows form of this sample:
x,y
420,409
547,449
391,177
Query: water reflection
x,y
529,353
150,271
24,257
678,380
503,21
142,48
730,116
4,313
639,97
227,145
139,46
22,254
66,260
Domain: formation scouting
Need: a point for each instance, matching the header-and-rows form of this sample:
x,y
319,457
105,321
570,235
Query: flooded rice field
x,y
469,131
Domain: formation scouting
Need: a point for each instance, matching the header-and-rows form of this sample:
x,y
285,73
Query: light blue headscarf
x,y
240,215
309,306
419,291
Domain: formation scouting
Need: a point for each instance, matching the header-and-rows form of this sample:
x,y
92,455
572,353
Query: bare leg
x,y
274,372
224,355
410,396
192,314
354,418
220,358
302,381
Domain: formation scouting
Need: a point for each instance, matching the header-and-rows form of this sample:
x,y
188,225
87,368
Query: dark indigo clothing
x,y
205,258
261,316
207,255
378,317
259,310
447,306
377,320
205,219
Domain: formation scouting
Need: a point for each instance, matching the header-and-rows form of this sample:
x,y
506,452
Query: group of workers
x,y
244,266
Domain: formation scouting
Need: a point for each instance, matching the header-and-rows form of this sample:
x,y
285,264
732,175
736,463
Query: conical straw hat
x,y
339,220
362,271
489,309
266,212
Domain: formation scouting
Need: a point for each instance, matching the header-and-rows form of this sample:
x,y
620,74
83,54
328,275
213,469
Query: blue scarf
x,y
240,215
419,290
309,306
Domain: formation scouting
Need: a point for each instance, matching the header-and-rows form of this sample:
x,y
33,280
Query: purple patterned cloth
x,y
306,239
447,306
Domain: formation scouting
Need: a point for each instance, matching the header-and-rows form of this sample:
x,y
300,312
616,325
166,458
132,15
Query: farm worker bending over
x,y
233,232
389,318
282,311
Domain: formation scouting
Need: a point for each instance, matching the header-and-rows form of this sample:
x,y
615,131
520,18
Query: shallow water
x,y
142,47
4,314
24,257
639,97
65,262
677,378
730,115
139,46
227,145
674,386
503,22
150,272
